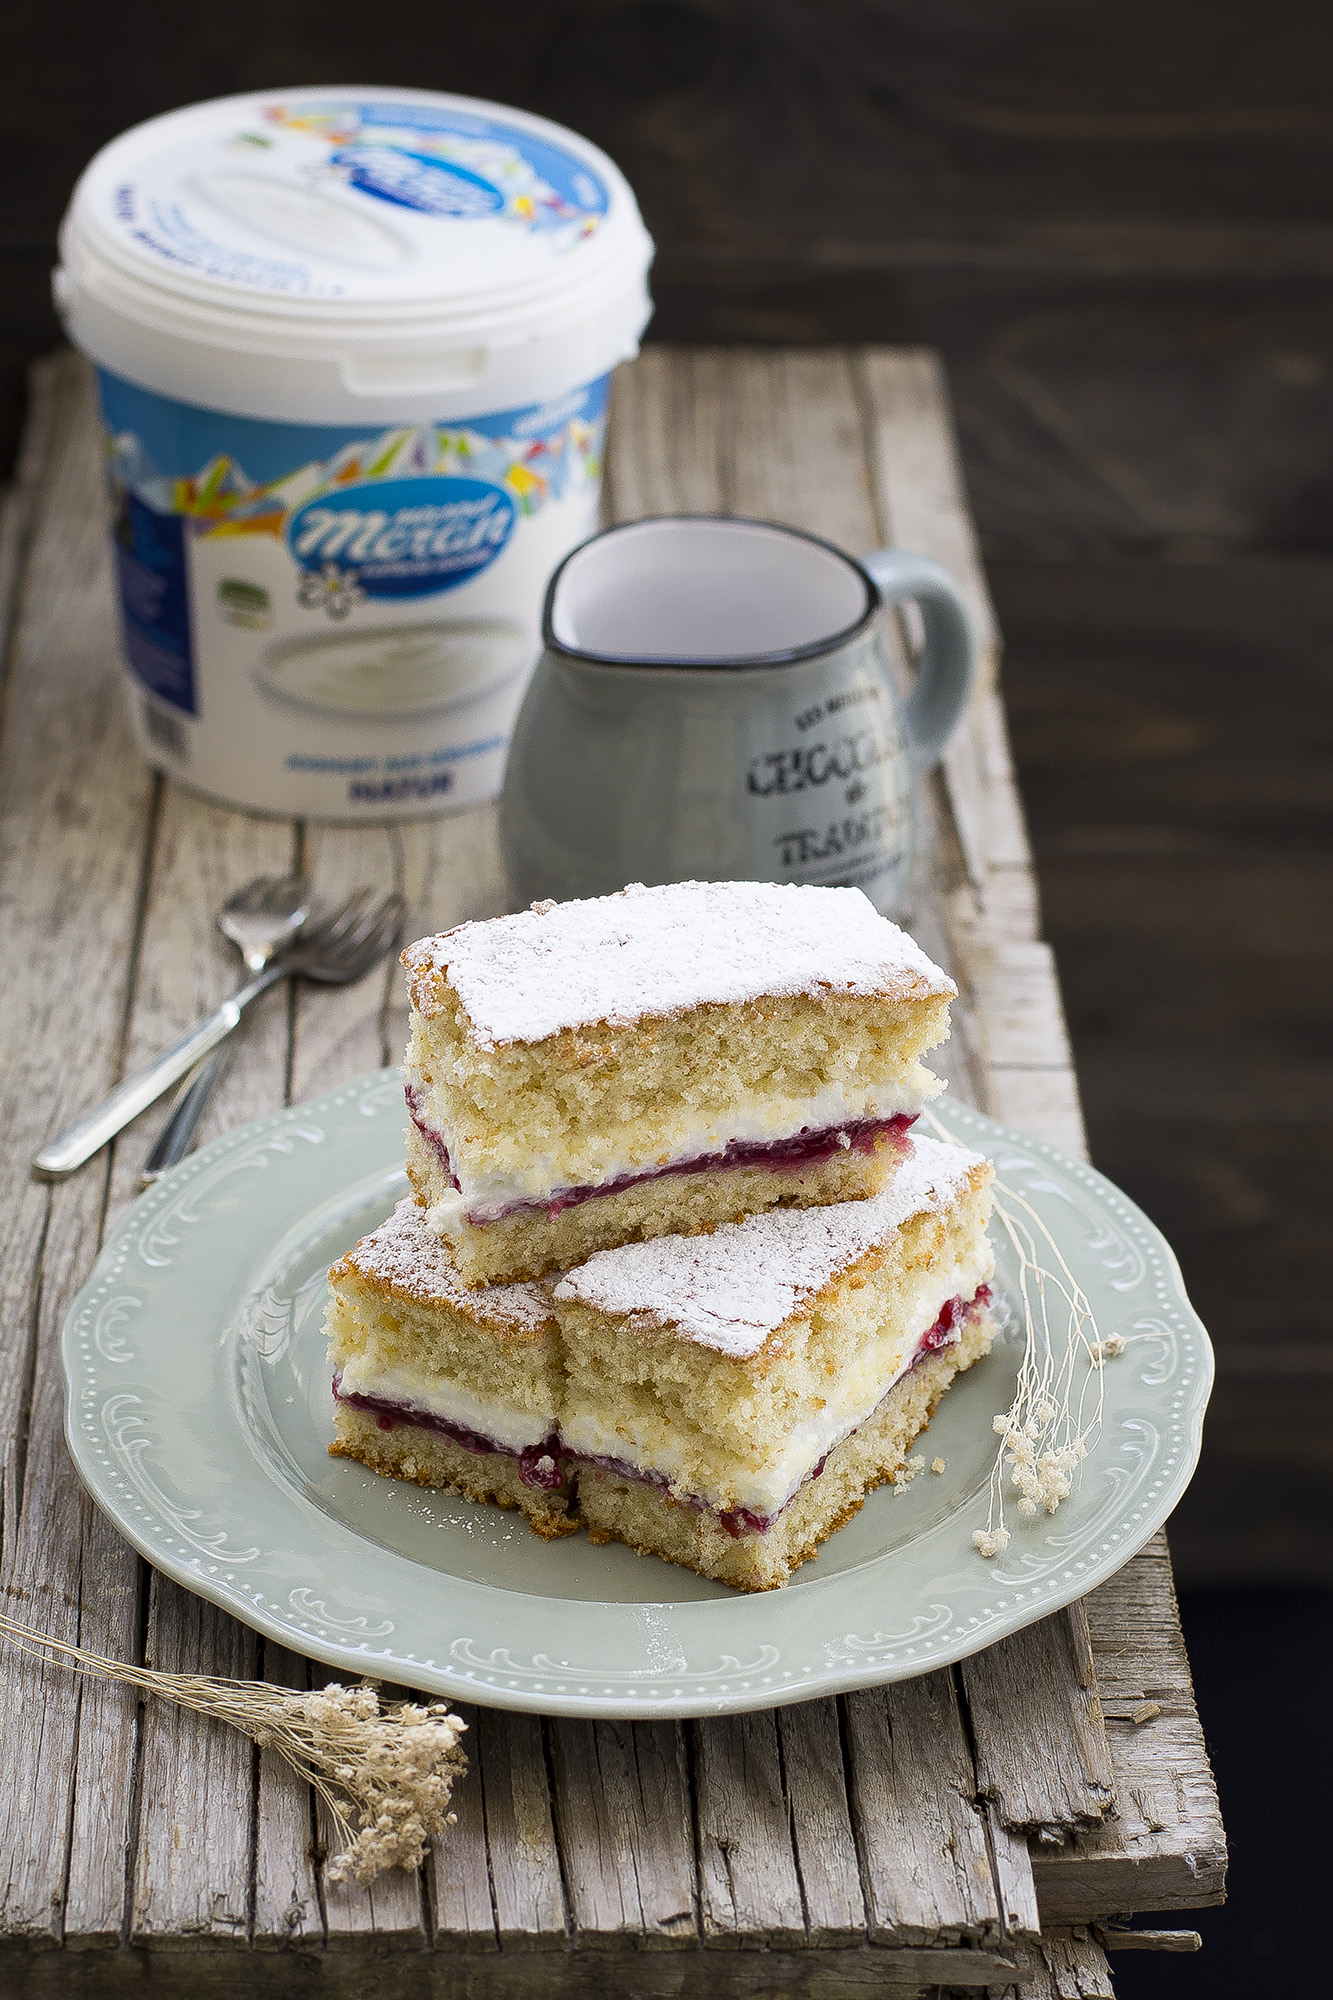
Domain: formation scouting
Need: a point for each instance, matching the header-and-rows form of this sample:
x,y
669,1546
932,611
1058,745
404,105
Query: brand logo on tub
x,y
416,180
402,537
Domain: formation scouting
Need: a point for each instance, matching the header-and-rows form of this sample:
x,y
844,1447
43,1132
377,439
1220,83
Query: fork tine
x,y
328,930
379,939
373,920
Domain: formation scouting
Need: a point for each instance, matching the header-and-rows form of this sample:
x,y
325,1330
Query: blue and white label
x,y
328,620
398,538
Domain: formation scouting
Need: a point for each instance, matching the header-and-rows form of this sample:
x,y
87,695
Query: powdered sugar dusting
x,y
406,1254
661,951
732,1289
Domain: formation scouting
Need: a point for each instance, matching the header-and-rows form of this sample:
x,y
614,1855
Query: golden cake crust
x,y
426,1459
649,1521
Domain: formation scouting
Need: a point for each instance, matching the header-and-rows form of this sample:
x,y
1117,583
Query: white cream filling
x,y
512,1428
765,1487
485,1197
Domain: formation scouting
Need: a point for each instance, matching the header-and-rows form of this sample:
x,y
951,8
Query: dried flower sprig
x,y
390,1770
1055,1418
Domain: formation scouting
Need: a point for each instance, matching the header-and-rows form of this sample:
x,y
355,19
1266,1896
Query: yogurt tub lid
x,y
296,220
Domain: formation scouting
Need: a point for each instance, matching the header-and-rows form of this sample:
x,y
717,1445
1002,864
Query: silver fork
x,y
337,951
259,919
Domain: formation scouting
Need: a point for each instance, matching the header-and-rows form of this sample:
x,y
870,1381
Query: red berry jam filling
x,y
806,1148
538,1464
542,1465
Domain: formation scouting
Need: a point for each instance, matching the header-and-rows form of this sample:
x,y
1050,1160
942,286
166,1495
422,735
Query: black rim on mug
x,y
779,657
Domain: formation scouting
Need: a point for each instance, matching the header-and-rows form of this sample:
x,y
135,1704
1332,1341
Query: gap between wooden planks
x,y
776,1828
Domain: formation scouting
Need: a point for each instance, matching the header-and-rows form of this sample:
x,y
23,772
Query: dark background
x,y
1115,221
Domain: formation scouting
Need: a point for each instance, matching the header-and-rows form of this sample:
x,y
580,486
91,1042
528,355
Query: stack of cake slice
x,y
674,1270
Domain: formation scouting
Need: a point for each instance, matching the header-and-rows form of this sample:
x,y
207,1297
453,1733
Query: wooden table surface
x,y
984,1827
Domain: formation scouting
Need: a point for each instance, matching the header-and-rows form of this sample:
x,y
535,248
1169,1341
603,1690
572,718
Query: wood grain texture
x,y
74,813
366,1971
388,1916
458,1876
508,1754
285,1907
1037,1727
1071,1966
623,1817
748,1881
810,1739
925,1864
1167,1849
917,480
192,1866
194,1843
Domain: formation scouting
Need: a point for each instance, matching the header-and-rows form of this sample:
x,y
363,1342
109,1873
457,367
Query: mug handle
x,y
944,677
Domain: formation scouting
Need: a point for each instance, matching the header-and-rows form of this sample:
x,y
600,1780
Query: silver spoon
x,y
259,919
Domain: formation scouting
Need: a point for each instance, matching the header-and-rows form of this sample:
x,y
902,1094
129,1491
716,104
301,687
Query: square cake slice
x,y
445,1386
653,1063
730,1399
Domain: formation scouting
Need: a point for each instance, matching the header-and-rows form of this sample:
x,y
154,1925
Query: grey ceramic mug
x,y
713,702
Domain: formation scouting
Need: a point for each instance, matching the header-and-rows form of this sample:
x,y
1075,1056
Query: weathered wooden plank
x,y
668,438
918,473
110,1584
508,1757
623,1822
797,444
924,1861
1167,1850
286,1892
366,1970
749,1887
1043,1101
1005,823
458,1868
1015,1889
1037,1728
810,1737
1070,1966
74,814
922,500
387,1915
197,1781
68,1575
1018,1001
192,1867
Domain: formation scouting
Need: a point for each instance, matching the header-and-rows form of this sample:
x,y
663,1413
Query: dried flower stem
x,y
1049,1428
391,1771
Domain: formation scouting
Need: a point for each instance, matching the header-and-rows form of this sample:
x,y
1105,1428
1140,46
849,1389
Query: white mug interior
x,y
691,591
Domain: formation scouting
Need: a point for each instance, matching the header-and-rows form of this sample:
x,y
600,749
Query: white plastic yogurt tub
x,y
353,349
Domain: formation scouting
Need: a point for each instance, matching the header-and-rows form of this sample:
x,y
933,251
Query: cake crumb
x,y
937,1465
903,1478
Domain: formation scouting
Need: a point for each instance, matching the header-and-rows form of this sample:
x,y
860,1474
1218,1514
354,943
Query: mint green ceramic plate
x,y
199,1410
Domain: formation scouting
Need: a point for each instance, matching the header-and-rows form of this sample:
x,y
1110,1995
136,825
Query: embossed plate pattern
x,y
198,1414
